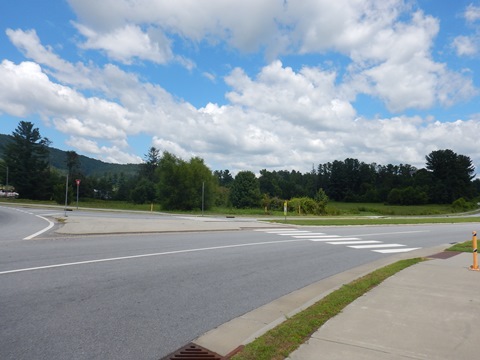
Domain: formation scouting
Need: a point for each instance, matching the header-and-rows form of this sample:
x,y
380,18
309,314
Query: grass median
x,y
279,342
377,221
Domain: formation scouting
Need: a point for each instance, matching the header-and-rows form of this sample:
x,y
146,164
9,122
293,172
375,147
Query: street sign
x,y
77,181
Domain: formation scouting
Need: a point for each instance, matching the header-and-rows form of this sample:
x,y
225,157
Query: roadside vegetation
x,y
462,247
281,341
167,183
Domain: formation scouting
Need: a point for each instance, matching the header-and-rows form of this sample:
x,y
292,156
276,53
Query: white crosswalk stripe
x,y
394,251
351,242
354,242
375,246
334,239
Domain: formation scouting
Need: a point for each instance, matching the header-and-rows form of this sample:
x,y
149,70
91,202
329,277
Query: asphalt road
x,y
143,296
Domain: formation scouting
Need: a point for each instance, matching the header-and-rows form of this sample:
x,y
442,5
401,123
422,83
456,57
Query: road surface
x,y
142,296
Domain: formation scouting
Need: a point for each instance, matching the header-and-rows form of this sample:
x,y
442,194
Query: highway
x,y
142,296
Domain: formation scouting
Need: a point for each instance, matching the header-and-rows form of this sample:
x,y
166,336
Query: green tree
x,y
322,200
245,191
143,192
3,173
268,182
224,177
183,185
73,164
452,176
150,164
27,159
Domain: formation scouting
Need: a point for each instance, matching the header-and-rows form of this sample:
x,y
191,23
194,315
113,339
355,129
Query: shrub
x,y
463,205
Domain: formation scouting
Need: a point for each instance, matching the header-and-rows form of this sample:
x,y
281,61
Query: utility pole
x,y
203,196
66,197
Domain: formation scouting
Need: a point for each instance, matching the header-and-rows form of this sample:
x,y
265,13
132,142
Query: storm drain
x,y
193,352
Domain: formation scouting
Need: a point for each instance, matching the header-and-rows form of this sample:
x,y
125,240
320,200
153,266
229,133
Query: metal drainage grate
x,y
193,352
444,255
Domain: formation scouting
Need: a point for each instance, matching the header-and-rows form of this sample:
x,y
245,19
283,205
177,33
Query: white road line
x,y
394,233
144,256
292,233
393,251
50,225
314,235
375,246
354,242
275,229
333,239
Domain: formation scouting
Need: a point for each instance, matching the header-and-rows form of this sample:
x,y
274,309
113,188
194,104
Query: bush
x,y
59,194
305,206
463,205
407,196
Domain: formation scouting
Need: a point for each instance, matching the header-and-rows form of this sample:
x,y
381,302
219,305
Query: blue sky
x,y
245,85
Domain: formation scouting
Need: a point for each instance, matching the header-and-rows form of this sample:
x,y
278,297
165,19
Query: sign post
x,y
285,210
78,185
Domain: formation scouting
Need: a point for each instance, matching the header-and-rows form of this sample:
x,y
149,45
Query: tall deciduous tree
x,y
183,185
27,159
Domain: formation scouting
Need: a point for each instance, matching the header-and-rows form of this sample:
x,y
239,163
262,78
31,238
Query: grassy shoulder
x,y
377,221
279,342
462,247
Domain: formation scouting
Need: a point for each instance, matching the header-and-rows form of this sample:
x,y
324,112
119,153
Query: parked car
x,y
8,194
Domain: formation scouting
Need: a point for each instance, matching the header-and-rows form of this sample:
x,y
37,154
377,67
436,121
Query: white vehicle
x,y
8,194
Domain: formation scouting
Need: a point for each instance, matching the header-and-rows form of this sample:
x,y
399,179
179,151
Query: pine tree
x,y
27,159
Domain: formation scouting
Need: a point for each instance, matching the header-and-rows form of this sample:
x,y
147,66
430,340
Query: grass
x,y
378,221
462,247
371,209
279,342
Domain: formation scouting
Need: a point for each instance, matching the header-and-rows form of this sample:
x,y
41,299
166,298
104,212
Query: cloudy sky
x,y
245,85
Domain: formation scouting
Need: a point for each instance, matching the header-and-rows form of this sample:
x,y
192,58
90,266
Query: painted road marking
x,y
393,251
146,255
375,246
50,225
354,242
314,235
273,231
291,233
334,239
351,242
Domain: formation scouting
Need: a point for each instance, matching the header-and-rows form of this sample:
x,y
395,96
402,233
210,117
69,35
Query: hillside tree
x,y
27,159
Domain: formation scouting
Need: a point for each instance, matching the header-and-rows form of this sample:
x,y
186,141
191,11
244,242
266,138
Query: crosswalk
x,y
332,239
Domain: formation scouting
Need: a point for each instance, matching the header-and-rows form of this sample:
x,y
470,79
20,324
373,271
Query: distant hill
x,y
88,166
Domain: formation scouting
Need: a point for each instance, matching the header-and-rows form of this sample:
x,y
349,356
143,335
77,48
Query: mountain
x,y
88,166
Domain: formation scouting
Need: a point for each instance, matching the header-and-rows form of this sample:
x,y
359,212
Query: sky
x,y
245,85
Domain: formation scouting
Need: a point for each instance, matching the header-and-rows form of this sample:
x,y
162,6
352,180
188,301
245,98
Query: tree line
x,y
178,184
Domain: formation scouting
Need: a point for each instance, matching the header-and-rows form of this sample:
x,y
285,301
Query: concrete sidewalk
x,y
428,311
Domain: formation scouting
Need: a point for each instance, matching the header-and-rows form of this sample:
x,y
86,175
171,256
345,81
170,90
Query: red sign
x,y
78,182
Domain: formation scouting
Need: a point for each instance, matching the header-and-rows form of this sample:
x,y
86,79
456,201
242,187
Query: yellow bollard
x,y
475,258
